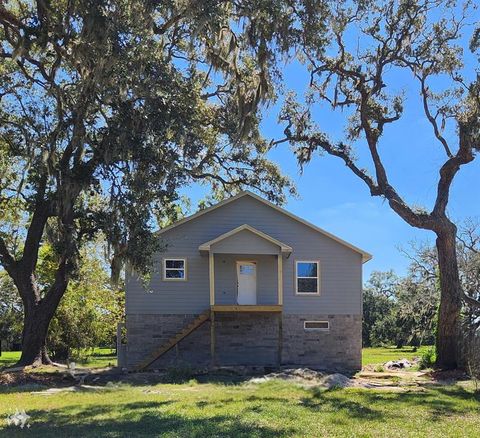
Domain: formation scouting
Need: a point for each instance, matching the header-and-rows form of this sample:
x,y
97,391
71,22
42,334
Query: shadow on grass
x,y
440,402
138,419
335,401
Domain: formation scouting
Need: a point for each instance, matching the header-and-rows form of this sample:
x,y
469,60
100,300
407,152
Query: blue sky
x,y
332,197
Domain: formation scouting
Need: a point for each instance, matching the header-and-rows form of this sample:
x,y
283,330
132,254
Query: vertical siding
x,y
341,267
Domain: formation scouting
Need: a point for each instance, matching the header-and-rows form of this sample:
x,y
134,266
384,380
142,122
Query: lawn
x,y
222,409
384,354
103,357
92,358
235,407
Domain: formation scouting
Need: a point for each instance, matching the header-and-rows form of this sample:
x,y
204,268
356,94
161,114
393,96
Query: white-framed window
x,y
323,326
175,269
307,277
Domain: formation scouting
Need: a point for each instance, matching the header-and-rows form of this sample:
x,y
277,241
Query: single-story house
x,y
245,282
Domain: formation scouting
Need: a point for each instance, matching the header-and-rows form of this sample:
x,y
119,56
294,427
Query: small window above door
x,y
247,269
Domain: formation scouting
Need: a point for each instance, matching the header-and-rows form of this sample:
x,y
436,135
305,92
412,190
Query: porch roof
x,y
207,246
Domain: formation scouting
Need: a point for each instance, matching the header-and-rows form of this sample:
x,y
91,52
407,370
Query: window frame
x,y
317,262
316,329
176,259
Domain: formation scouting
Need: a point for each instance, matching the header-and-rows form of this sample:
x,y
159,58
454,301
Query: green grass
x,y
93,358
384,354
8,358
103,357
272,409
224,408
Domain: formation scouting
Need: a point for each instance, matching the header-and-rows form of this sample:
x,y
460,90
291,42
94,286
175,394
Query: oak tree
x,y
107,110
353,69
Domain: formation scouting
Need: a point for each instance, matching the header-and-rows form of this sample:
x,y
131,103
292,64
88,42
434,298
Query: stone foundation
x,y
250,339
339,348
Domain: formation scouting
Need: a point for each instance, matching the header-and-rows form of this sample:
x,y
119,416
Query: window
x,y
247,270
174,269
307,277
317,325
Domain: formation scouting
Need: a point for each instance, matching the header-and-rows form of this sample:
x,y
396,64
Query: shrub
x,y
427,359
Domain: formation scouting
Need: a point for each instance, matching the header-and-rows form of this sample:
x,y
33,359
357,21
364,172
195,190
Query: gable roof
x,y
283,247
365,255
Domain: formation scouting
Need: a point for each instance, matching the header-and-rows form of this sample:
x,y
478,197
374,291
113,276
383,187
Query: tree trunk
x,y
37,316
35,328
448,329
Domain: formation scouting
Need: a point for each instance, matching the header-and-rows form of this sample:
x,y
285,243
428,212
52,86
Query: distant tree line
x,y
399,310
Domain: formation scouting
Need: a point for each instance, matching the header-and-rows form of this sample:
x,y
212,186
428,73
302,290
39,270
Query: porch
x,y
245,276
245,269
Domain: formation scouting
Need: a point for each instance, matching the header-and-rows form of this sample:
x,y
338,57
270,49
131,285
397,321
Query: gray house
x,y
247,283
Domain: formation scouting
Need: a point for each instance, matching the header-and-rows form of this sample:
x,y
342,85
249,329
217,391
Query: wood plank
x,y
211,274
212,338
280,339
280,279
246,308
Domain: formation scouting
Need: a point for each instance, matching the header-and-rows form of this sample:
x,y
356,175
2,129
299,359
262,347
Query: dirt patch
x,y
20,378
447,376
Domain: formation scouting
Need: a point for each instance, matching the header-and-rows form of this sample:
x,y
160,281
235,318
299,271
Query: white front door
x,y
247,282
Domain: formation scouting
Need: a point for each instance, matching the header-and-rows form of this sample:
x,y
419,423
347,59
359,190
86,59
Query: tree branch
x,y
419,220
471,301
451,167
431,119
7,261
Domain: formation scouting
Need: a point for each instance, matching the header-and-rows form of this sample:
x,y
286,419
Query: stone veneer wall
x,y
248,339
340,348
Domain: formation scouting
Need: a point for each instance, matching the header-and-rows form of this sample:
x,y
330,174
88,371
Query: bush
x,y
428,359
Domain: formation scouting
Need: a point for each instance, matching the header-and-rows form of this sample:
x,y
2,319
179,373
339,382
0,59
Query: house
x,y
245,282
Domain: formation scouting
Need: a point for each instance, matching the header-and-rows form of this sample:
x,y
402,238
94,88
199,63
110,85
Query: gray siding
x,y
245,242
340,266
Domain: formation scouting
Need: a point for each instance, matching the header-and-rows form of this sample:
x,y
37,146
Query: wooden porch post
x,y
280,338
280,278
212,338
211,272
280,303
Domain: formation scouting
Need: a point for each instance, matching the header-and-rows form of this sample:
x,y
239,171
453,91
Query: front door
x,y
247,282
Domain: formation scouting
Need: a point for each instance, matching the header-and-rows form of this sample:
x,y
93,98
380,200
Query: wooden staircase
x,y
197,322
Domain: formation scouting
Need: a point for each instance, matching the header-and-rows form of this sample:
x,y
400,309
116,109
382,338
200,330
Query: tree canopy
x,y
108,109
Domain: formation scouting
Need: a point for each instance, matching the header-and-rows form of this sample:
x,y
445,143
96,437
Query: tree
x,y
378,308
88,314
352,73
10,312
107,109
402,311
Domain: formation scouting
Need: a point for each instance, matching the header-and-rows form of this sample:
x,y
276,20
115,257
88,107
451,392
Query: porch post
x,y
280,278
212,339
211,272
280,339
